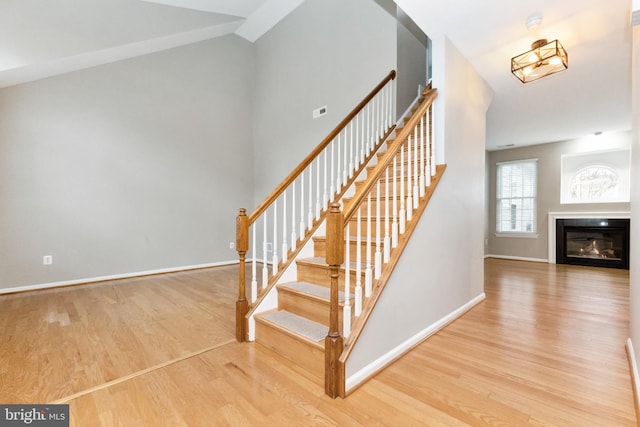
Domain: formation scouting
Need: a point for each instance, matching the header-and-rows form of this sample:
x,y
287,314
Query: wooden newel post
x,y
333,343
242,246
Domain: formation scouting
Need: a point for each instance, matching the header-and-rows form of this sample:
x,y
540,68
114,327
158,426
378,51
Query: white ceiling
x,y
593,95
43,38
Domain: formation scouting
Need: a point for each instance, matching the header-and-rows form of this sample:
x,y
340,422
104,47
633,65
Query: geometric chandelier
x,y
542,60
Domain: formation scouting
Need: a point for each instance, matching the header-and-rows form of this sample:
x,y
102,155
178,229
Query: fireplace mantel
x,y
572,215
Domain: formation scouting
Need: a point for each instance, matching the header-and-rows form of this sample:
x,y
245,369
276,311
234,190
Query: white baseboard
x,y
374,367
111,277
518,258
633,370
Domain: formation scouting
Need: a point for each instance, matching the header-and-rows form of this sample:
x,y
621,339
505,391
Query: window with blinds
x,y
516,196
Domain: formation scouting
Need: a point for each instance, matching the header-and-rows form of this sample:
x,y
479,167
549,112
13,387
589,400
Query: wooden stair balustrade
x,y
327,180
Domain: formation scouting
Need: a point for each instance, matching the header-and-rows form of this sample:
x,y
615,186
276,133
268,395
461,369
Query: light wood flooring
x,y
546,348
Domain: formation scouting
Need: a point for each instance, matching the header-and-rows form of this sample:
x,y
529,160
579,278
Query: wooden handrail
x,y
403,133
307,160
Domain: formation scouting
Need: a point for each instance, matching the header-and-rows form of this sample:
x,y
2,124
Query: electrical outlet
x,y
268,246
232,245
47,259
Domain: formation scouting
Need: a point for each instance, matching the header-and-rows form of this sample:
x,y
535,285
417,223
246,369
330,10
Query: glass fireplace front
x,y
594,242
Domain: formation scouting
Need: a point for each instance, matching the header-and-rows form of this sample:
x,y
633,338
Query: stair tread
x,y
302,326
318,291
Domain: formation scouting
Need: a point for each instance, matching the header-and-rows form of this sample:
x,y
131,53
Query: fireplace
x,y
596,242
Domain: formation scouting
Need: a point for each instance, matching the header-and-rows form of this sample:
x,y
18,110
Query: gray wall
x,y
325,52
412,61
548,198
132,166
442,267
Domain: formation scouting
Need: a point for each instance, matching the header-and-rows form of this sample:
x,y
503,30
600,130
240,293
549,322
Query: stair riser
x,y
373,228
319,248
308,357
319,274
383,188
311,308
364,211
370,170
382,156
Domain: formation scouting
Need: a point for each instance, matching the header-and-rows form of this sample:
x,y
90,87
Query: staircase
x,y
378,216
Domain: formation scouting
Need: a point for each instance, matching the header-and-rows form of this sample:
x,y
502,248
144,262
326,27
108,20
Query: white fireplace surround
x,y
573,215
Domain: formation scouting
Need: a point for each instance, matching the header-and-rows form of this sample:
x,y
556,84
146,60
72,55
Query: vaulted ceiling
x,y
44,38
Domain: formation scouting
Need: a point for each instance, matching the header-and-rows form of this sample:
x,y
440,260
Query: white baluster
x,y
275,238
359,137
325,197
351,157
345,165
318,205
254,261
377,119
365,129
385,109
387,238
363,132
409,182
310,214
394,224
378,259
422,159
302,225
333,189
403,213
390,108
358,290
294,238
338,166
265,269
285,250
381,119
374,122
368,280
416,191
427,170
372,125
394,90
346,314
433,144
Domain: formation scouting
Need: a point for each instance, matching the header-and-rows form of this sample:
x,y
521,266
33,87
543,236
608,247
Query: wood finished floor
x,y
546,348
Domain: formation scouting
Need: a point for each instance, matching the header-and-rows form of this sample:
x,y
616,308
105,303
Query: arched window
x,y
594,183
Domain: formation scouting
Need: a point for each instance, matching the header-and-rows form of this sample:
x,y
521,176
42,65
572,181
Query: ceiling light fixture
x,y
544,58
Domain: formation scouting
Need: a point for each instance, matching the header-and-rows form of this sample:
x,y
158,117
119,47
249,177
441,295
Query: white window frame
x,y
533,198
617,160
